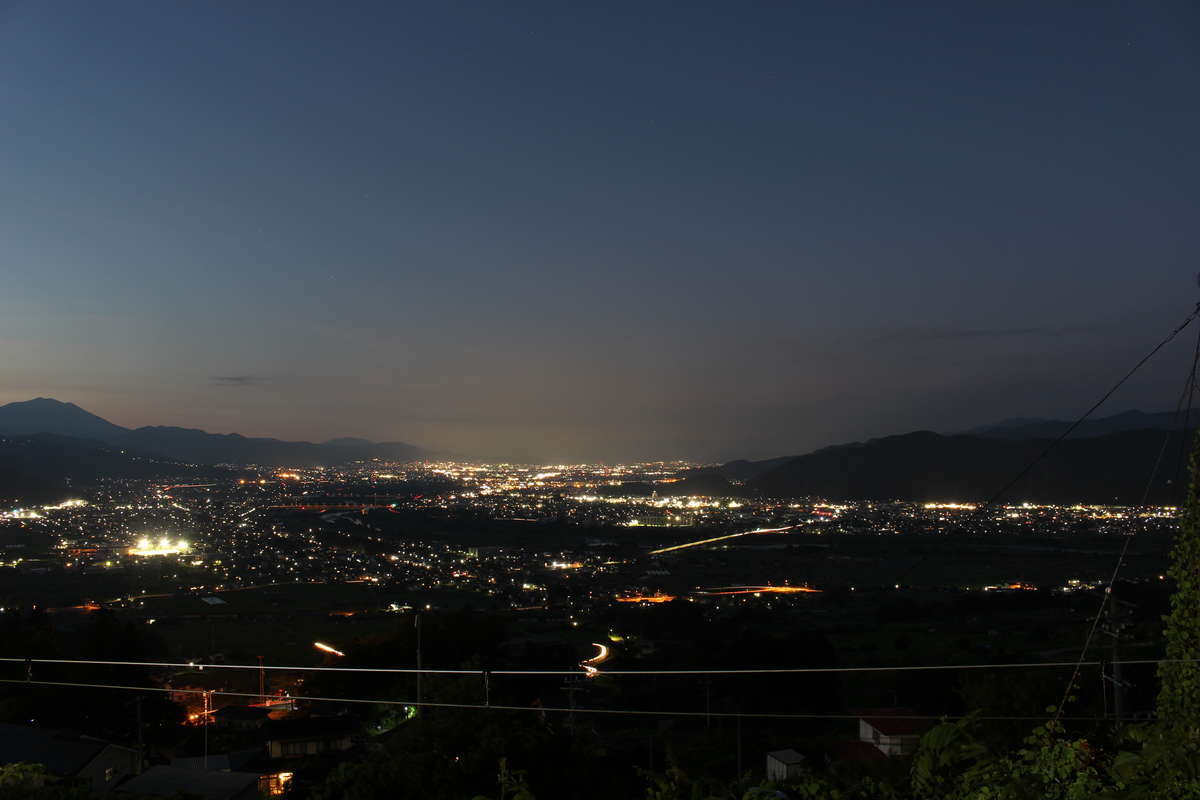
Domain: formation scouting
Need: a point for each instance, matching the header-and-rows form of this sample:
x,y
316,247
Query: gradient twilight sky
x,y
545,230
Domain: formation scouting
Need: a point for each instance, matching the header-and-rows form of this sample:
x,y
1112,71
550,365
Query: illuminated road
x,y
589,665
657,597
333,507
720,539
757,590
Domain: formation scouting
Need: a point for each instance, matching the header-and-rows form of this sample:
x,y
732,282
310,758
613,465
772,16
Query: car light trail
x,y
327,648
589,665
720,539
645,598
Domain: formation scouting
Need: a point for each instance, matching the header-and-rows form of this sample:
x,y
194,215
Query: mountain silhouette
x,y
44,467
190,445
1053,428
1118,468
43,415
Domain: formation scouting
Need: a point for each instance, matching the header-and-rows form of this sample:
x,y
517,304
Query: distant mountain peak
x,y
47,402
47,415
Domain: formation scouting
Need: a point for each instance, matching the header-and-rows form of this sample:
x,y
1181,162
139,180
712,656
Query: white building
x,y
783,765
893,736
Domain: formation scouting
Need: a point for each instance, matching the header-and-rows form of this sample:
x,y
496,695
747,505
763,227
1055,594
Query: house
x,y
271,782
892,735
784,765
241,718
234,761
308,736
97,763
164,781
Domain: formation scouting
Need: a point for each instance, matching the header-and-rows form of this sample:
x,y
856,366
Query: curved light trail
x,y
589,665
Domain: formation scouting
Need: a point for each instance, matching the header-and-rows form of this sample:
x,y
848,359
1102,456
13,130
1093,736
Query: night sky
x,y
539,230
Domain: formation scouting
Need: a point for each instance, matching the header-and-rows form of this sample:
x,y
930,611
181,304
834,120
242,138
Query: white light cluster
x,y
162,547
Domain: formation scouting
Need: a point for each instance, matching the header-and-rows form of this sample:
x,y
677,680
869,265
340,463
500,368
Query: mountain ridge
x,y
1116,469
1032,428
45,415
1106,460
46,467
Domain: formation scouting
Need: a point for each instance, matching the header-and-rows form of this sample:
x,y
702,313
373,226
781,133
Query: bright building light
x,y
163,547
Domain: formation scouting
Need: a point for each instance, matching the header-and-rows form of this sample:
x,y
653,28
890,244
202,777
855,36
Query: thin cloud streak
x,y
983,333
238,380
956,333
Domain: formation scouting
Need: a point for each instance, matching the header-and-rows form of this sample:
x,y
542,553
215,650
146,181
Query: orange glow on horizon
x,y
645,598
762,590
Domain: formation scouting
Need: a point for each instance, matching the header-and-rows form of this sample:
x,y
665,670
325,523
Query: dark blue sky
x,y
635,230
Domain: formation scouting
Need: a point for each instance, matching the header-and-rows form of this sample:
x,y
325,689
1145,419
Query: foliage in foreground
x,y
953,764
20,781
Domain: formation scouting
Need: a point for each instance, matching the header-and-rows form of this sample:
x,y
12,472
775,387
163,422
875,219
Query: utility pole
x,y
417,624
570,686
739,747
1118,684
204,722
1113,627
141,747
262,682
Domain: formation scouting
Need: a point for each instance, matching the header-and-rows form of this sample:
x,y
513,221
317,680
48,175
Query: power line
x,y
480,673
1107,595
1189,390
537,708
202,666
1025,471
788,670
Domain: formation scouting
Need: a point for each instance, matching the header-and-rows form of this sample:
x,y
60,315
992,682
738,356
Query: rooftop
x,y
170,781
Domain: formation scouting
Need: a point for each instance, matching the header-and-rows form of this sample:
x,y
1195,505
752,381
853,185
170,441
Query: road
x,y
720,539
589,664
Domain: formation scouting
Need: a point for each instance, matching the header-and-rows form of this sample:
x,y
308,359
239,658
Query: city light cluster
x,y
160,547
